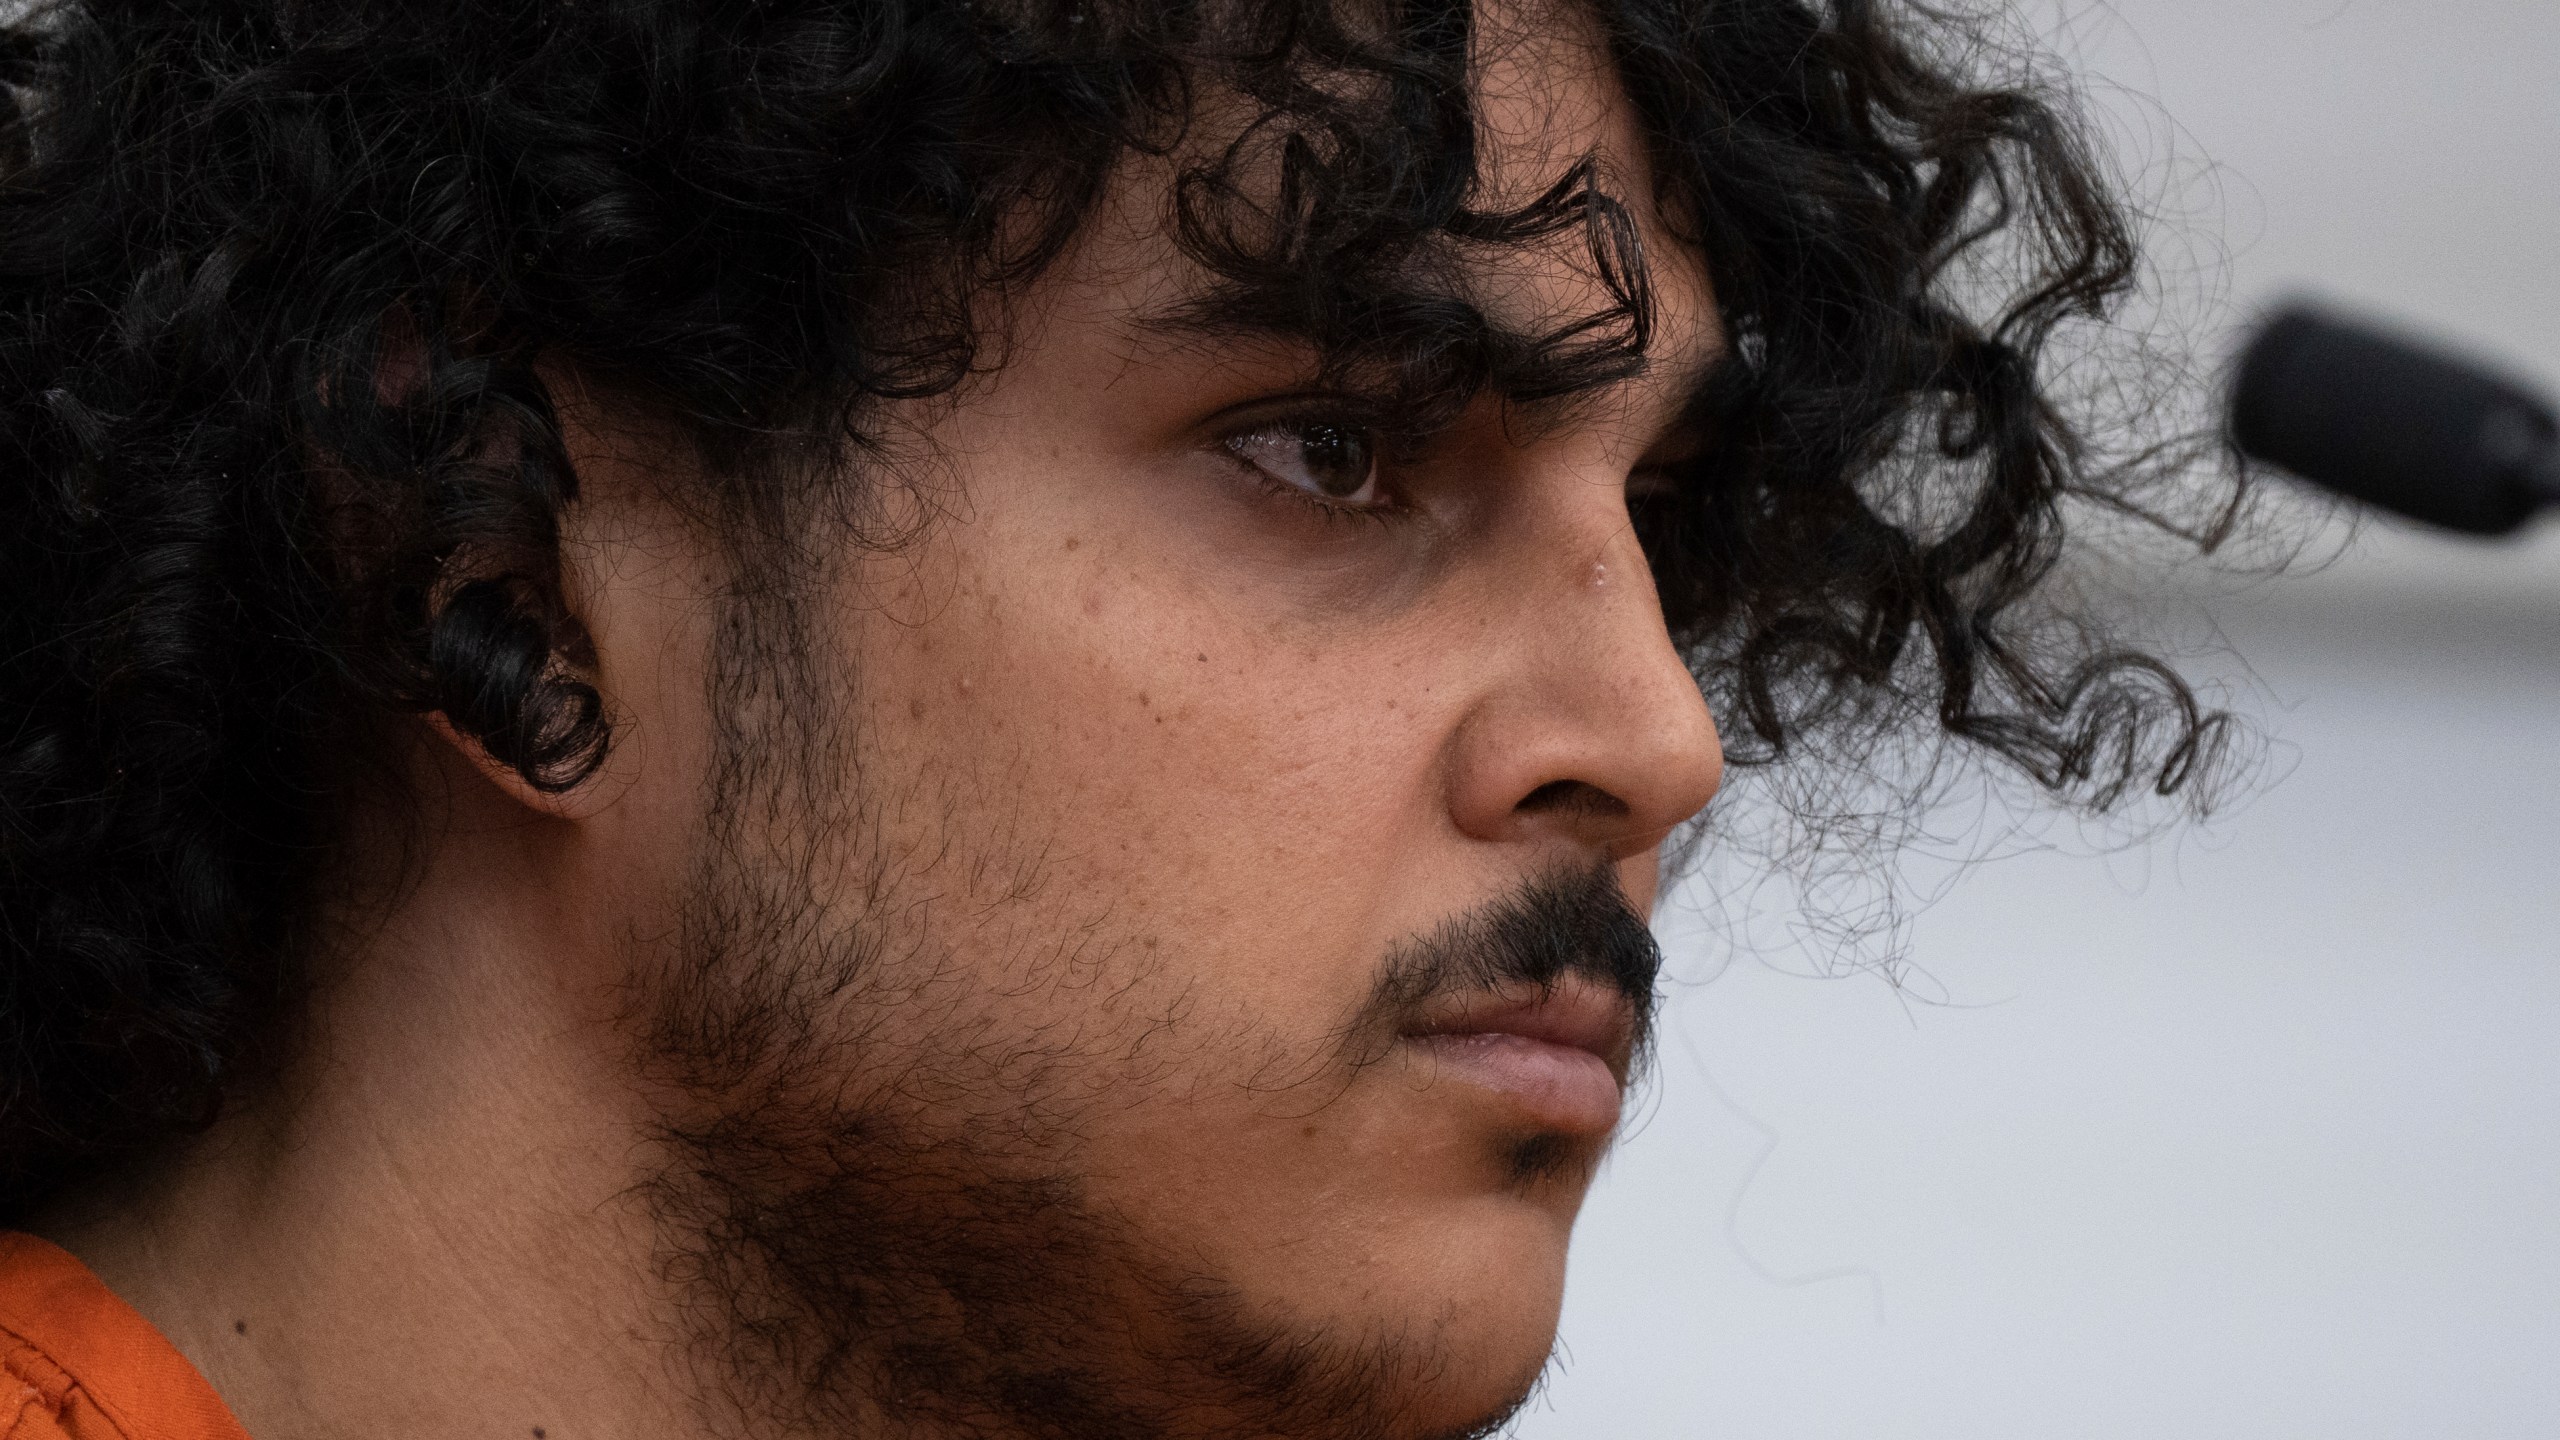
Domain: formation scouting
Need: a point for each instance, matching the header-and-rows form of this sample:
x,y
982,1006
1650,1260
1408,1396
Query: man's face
x,y
1173,972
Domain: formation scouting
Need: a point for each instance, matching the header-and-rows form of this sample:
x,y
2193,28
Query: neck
x,y
427,1223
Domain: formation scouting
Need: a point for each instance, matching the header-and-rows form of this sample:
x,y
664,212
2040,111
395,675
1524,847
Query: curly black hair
x,y
233,534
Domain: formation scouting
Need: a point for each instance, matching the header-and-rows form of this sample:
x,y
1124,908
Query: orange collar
x,y
76,1363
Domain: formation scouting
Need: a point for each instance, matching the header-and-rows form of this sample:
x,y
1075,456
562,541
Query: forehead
x,y
1218,241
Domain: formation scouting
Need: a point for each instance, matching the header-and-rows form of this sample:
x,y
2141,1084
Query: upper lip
x,y
1574,1012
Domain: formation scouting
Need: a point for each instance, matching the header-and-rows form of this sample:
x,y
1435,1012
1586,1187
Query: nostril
x,y
1575,798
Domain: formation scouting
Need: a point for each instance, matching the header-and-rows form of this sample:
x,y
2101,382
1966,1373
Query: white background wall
x,y
2253,1132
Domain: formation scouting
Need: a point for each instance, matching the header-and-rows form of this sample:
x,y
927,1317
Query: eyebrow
x,y
1238,313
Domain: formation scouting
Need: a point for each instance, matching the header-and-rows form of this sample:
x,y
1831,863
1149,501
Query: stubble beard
x,y
875,1239
876,1229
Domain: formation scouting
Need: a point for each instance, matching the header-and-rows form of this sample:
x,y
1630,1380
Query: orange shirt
x,y
76,1363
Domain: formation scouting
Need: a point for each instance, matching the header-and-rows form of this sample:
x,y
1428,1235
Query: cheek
x,y
1211,792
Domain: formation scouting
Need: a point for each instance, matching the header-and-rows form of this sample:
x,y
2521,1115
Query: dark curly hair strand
x,y
280,281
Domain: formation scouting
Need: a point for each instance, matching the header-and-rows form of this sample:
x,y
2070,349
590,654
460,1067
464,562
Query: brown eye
x,y
1337,464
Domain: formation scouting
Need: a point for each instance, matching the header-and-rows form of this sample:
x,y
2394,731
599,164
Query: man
x,y
829,717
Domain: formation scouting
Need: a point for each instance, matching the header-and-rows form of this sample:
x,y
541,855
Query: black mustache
x,y
1568,923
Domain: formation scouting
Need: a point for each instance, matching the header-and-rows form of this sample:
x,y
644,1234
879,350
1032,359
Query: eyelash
x,y
1659,481
1386,512
1391,507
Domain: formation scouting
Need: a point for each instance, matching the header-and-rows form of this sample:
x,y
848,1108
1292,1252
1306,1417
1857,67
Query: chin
x,y
1497,1320
1464,1413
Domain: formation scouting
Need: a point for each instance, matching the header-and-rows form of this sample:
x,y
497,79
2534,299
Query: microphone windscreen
x,y
2390,422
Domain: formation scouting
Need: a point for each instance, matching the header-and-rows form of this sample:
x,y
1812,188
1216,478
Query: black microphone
x,y
2395,423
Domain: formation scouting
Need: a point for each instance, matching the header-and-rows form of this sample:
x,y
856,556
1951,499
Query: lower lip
x,y
1561,1088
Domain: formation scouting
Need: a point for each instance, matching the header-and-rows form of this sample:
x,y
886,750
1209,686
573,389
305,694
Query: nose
x,y
1589,730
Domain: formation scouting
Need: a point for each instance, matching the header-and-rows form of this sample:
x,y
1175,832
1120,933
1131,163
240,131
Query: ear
x,y
581,801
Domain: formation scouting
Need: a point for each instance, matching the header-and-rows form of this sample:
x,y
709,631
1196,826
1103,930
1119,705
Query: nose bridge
x,y
1643,701
1596,694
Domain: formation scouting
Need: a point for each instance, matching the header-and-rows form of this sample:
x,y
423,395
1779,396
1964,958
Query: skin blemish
x,y
1599,575
1073,542
1204,659
537,1433
239,1327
